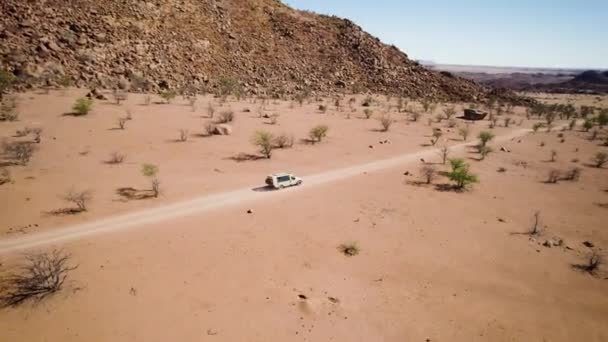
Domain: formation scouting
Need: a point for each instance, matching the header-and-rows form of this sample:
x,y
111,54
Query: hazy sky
x,y
537,33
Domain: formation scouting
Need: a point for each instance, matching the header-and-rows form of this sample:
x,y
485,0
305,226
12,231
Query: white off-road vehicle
x,y
282,180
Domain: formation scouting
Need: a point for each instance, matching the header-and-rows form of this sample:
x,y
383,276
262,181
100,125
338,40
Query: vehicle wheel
x,y
299,182
281,187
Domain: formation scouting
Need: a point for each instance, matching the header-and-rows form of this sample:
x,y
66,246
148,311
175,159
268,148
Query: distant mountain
x,y
590,81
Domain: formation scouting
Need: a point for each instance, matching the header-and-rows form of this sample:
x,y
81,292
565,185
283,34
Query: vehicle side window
x,y
283,179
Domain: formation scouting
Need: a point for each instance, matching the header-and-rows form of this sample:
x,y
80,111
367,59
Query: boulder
x,y
222,129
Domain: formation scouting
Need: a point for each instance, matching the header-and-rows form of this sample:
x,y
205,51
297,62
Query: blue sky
x,y
535,33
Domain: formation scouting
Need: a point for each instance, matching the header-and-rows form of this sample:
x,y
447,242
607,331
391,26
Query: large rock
x,y
222,129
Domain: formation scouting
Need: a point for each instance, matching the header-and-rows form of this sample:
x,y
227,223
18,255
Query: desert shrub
x,y
426,105
553,155
508,122
386,121
183,135
594,135
573,174
484,151
368,113
274,118
317,133
452,123
5,176
464,132
449,112
591,265
227,86
460,174
572,124
493,121
444,152
41,276
485,137
414,116
600,159
367,102
349,249
553,176
82,106
264,141
6,81
8,109
209,129
439,118
20,151
119,96
121,122
537,126
587,125
437,134
283,141
168,95
78,198
151,171
147,100
602,118
210,110
225,116
428,173
192,103
116,158
322,108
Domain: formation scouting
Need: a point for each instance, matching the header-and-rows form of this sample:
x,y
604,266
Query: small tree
x,y
464,132
168,95
386,121
283,141
226,117
485,137
264,140
151,171
428,173
82,106
587,125
317,133
79,198
600,159
436,136
444,152
449,112
460,174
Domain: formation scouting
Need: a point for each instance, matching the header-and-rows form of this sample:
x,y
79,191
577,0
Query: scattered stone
x,y
249,211
303,297
406,173
588,244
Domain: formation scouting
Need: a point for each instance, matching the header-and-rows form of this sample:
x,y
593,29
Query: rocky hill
x,y
589,82
200,45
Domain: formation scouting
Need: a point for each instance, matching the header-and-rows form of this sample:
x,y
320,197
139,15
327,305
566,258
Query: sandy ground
x,y
434,265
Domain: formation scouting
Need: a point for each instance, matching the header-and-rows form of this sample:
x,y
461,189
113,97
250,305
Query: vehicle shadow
x,y
265,188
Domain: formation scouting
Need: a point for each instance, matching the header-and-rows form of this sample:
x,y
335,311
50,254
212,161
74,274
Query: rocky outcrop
x,y
255,46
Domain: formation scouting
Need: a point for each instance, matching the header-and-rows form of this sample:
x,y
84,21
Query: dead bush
x,y
414,116
322,108
573,174
41,276
210,111
183,135
5,176
317,133
21,152
444,152
116,158
274,118
225,117
592,265
554,176
349,249
8,109
78,198
122,122
283,141
119,96
209,129
600,159
386,121
428,172
449,112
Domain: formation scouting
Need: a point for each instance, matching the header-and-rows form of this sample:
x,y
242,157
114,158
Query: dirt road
x,y
206,203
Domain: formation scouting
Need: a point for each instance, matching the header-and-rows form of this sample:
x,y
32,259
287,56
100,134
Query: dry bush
x,y
82,106
168,95
554,176
147,100
5,176
449,112
537,126
264,141
464,132
553,156
386,121
573,174
78,198
19,151
592,265
452,123
283,141
210,111
209,129
192,103
8,109
484,151
225,117
317,133
428,172
116,158
23,132
119,96
122,122
444,152
508,122
600,159
437,134
37,132
322,108
41,276
183,135
274,118
439,118
368,102
414,116
368,113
